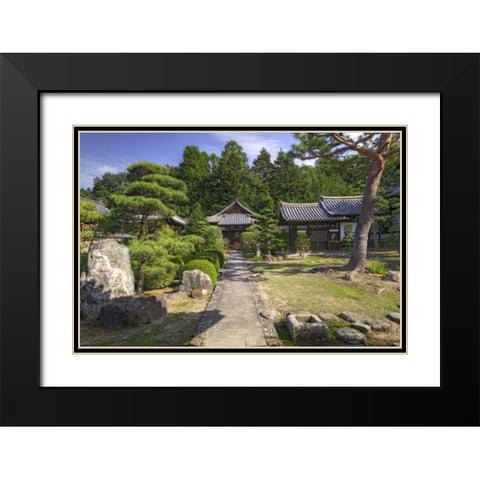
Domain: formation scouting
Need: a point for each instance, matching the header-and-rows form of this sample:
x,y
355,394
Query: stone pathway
x,y
231,319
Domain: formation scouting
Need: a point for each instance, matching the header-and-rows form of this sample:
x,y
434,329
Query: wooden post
x,y
292,238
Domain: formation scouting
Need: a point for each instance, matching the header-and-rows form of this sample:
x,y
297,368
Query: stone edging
x,y
269,330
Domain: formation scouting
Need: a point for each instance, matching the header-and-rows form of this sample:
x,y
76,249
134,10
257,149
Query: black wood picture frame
x,y
23,77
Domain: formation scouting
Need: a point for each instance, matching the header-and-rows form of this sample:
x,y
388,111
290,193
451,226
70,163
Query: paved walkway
x,y
231,318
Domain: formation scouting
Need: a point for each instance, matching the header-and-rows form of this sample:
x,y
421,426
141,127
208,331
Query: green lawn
x,y
316,285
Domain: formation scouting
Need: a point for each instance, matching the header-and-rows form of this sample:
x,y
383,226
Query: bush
x,y
204,266
377,267
159,279
393,241
257,259
220,255
248,241
302,243
211,257
83,262
347,242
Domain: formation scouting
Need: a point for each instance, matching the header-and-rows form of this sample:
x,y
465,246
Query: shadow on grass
x,y
174,329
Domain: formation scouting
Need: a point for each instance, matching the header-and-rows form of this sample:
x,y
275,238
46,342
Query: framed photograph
x,y
240,238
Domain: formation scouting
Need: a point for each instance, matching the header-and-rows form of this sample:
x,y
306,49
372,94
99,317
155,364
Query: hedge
x,y
211,257
220,256
204,266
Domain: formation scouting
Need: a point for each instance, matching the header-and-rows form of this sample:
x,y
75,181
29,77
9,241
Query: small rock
x,y
351,336
327,316
393,276
197,293
380,290
394,317
361,327
380,325
352,276
354,317
270,314
196,279
395,344
175,297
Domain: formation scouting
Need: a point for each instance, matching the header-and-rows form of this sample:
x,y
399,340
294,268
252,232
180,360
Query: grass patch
x,y
317,285
377,267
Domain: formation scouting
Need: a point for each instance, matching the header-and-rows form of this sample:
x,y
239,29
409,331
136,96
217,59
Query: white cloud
x,y
101,169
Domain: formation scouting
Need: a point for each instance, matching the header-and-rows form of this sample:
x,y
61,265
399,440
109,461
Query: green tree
x,y
263,166
268,232
149,199
229,177
194,170
109,184
302,243
89,221
373,149
285,181
210,235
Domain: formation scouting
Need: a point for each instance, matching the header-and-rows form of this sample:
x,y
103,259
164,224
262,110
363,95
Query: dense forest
x,y
213,181
142,198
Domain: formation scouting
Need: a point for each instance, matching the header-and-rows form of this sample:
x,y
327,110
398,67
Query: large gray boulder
x,y
109,275
306,326
133,311
192,279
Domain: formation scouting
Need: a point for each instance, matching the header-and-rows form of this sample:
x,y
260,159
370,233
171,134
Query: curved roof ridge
x,y
231,205
347,197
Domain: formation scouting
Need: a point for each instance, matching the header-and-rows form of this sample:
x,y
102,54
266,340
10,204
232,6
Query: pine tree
x,y
268,232
149,199
263,166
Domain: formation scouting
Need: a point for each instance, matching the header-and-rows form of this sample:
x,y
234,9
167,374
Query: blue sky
x,y
113,151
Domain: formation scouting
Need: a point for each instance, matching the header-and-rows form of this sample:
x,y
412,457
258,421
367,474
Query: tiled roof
x,y
175,218
307,212
235,219
329,209
224,218
342,205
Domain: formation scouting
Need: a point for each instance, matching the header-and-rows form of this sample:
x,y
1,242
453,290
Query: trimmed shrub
x,y
204,266
211,257
220,255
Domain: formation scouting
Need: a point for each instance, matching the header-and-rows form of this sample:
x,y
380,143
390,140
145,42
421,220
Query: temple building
x,y
324,222
233,220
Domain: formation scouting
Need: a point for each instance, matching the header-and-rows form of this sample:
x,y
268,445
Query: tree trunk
x,y
141,280
258,253
374,235
360,240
